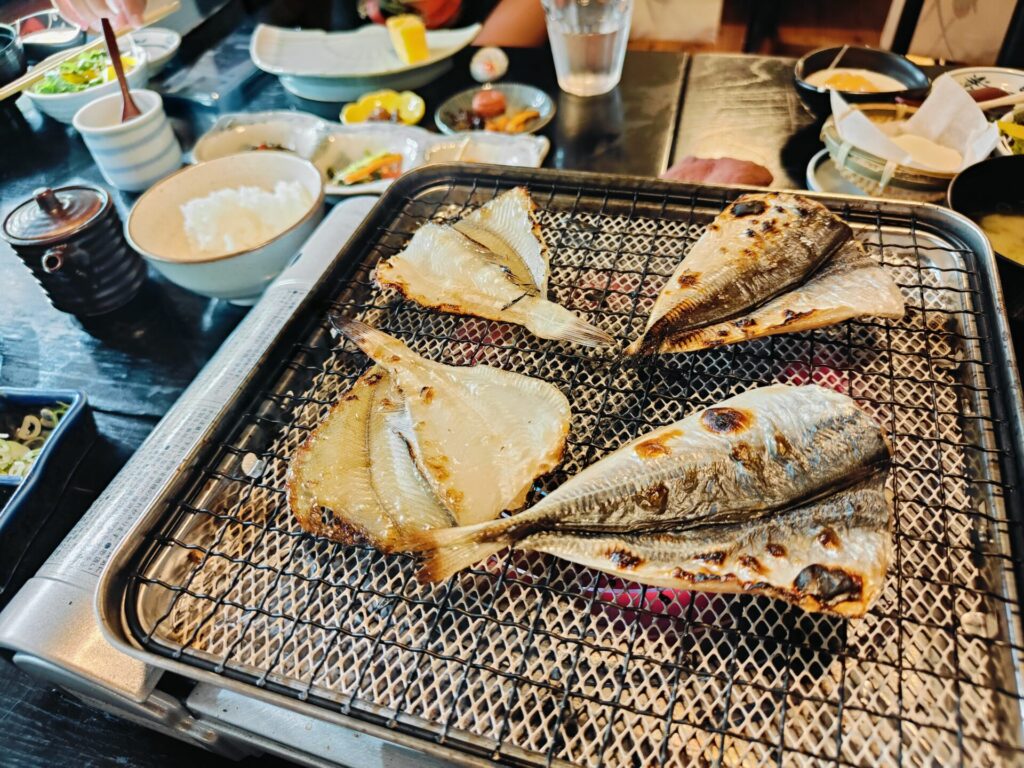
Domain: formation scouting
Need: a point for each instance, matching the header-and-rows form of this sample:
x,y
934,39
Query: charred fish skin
x,y
746,461
761,245
830,556
849,285
760,451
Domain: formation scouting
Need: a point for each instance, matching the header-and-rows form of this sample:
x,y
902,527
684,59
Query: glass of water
x,y
588,42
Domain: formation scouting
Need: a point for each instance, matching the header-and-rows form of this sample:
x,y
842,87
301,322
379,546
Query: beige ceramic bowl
x,y
869,171
156,227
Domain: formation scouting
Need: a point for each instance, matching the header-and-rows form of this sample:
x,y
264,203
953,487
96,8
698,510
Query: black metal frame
x,y
724,628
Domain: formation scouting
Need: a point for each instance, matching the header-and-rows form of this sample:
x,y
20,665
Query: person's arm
x,y
87,13
514,23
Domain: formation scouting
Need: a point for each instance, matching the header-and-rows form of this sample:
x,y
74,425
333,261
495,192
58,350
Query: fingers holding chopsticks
x,y
87,13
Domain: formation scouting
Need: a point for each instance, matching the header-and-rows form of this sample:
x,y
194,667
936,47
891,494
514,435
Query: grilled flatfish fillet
x,y
354,479
491,263
779,490
478,435
765,252
850,284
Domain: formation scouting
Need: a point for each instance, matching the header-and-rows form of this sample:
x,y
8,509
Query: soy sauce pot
x,y
72,240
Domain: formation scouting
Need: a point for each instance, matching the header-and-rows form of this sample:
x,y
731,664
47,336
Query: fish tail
x,y
378,345
553,321
449,550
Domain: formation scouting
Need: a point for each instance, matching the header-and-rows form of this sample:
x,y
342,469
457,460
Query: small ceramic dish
x,y
63,106
823,176
160,45
156,229
818,99
283,130
1005,79
341,66
12,55
973,78
485,147
517,98
345,144
46,33
875,175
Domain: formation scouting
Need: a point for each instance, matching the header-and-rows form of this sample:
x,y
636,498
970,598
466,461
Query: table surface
x,y
134,363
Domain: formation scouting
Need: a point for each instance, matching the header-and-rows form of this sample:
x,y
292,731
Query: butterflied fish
x,y
779,490
508,228
770,263
479,435
354,479
490,264
849,282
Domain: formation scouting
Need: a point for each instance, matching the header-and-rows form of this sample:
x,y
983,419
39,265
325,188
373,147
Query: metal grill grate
x,y
535,661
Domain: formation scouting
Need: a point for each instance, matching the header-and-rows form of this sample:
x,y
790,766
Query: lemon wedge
x,y
409,38
407,106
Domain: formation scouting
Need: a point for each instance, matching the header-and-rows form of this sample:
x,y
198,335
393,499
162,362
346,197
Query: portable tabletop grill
x,y
529,660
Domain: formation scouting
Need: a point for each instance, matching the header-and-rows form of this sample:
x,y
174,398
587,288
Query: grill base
x,y
535,661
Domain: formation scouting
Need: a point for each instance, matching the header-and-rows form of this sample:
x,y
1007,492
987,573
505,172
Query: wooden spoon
x,y
129,110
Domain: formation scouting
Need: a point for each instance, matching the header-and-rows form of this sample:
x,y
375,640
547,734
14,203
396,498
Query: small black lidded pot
x,y
73,241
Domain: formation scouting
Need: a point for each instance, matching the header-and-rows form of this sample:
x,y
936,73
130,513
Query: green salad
x,y
83,71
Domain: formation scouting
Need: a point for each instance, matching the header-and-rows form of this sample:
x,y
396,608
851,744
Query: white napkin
x,y
949,116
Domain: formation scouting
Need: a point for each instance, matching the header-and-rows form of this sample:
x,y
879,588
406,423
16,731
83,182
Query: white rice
x,y
240,218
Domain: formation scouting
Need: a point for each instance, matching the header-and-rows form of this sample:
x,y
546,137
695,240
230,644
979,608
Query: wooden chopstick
x,y
1003,101
36,73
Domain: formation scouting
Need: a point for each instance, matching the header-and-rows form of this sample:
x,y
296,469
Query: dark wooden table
x,y
135,363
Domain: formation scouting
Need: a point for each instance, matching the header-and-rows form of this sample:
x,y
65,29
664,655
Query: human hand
x,y
87,13
722,170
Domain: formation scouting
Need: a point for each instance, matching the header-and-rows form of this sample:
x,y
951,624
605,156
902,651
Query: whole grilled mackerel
x,y
777,491
756,249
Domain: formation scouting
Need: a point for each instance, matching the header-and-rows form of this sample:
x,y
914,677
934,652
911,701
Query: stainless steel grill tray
x,y
528,660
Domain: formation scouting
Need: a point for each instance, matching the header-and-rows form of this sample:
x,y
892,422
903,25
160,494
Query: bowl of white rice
x,y
227,227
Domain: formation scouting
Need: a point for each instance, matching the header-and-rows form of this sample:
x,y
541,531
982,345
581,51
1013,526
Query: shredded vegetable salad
x,y
22,442
82,72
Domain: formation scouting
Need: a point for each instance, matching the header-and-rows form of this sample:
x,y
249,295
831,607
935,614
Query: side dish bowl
x,y
63,106
818,99
156,227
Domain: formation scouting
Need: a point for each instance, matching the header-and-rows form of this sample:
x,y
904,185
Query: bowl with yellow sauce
x,y
859,74
990,194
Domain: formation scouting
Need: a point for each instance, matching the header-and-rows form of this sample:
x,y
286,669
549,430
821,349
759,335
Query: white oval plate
x,y
297,132
521,149
344,144
365,52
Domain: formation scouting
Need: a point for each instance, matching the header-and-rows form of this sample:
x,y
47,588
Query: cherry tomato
x,y
489,103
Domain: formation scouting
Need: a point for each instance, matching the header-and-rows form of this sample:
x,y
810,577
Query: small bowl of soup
x,y
859,74
990,194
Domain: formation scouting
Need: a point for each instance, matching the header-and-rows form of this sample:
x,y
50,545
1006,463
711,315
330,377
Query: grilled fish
x,y
493,264
759,269
478,435
842,289
779,490
354,479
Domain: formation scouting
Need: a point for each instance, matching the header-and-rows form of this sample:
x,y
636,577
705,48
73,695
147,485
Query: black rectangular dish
x,y
529,660
30,522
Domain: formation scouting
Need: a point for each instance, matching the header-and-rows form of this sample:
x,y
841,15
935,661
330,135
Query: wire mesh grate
x,y
530,660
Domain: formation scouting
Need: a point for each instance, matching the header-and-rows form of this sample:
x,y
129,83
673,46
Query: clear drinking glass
x,y
588,42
